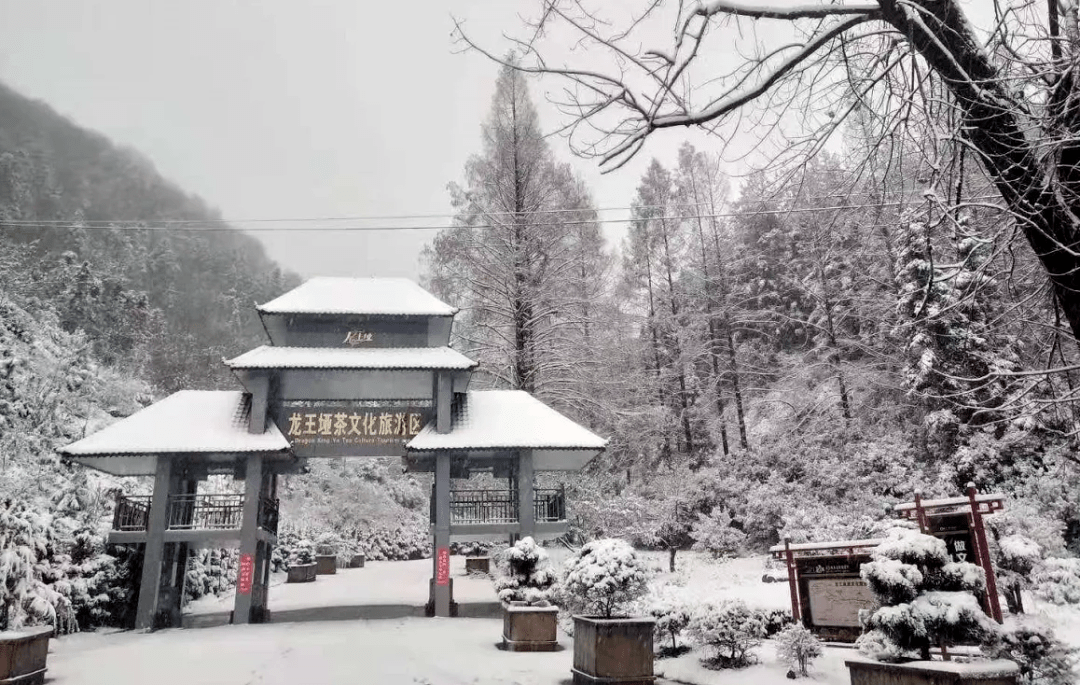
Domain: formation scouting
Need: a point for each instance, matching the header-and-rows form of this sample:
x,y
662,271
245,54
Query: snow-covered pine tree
x,y
513,259
525,573
926,600
945,309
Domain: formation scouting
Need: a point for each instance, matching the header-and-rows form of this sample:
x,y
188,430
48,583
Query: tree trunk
x,y
671,559
845,403
733,371
674,307
1039,192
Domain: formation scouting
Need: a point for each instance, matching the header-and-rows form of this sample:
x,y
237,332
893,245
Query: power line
x,y
118,223
273,229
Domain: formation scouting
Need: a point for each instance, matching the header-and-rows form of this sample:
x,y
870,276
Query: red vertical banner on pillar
x,y
245,575
442,566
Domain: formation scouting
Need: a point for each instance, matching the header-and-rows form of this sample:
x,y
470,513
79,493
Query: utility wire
x,y
272,229
394,217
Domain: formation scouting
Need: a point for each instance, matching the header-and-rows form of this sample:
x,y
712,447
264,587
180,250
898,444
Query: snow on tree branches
x,y
525,574
926,599
606,577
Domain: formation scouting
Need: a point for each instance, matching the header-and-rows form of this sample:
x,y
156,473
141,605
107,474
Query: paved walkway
x,y
380,590
412,651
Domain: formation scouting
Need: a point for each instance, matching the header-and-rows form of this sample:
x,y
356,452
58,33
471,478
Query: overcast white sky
x,y
283,108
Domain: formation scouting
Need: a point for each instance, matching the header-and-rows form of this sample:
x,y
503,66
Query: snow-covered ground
x,y
421,650
378,583
390,652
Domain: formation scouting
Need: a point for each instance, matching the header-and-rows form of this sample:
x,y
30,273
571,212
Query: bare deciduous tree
x,y
1008,84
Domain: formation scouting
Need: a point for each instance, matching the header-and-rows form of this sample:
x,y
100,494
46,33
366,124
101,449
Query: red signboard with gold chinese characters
x,y
245,575
346,428
442,566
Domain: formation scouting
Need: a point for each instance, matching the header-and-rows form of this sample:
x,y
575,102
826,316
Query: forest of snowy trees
x,y
787,352
789,358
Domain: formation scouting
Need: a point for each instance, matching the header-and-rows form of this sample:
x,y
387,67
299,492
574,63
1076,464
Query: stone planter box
x,y
613,651
326,564
478,565
530,628
999,672
23,654
357,561
302,573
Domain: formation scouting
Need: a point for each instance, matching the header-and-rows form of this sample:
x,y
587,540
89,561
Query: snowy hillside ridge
x,y
52,550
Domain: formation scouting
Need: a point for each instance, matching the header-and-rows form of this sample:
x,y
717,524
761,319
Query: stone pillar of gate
x,y
253,481
442,589
526,500
264,549
175,554
154,549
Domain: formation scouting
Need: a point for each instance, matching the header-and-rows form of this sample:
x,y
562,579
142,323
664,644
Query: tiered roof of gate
x,y
189,422
360,296
505,419
274,357
387,326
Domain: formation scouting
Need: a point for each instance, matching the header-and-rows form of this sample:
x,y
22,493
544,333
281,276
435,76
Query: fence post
x,y
792,580
984,555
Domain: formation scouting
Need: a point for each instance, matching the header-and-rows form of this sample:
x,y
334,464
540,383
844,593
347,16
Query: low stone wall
x,y
998,672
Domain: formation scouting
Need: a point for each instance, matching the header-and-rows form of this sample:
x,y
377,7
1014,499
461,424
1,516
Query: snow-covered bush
x,y
1057,580
410,540
775,620
925,599
328,543
524,574
26,545
672,616
714,534
99,586
1015,556
797,647
1019,539
1042,658
211,572
605,577
473,548
730,630
302,552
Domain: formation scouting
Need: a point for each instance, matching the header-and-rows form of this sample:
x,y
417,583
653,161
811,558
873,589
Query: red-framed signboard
x,y
442,566
245,575
827,590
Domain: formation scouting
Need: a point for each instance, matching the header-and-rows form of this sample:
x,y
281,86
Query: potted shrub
x,y
601,582
302,566
926,600
326,554
477,559
524,583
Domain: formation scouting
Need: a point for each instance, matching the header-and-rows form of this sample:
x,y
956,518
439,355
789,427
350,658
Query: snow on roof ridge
x,y
185,421
506,419
275,356
378,296
948,501
830,544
